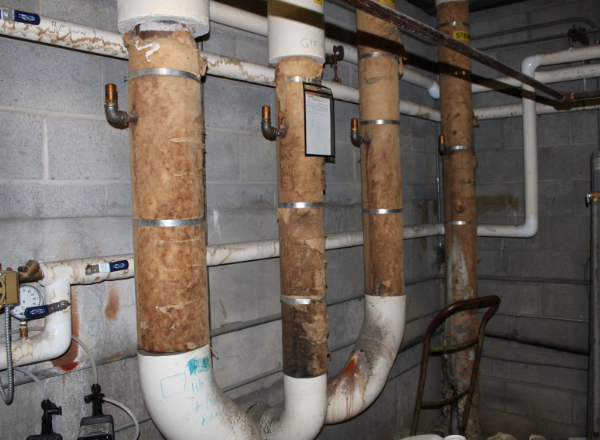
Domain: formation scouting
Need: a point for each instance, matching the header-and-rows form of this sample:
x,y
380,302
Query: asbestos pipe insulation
x,y
167,153
460,211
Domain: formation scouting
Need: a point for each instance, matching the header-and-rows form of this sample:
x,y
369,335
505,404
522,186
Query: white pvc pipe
x,y
293,37
303,413
361,381
185,402
427,82
514,110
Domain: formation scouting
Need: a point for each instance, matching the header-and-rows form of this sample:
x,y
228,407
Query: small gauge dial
x,y
29,296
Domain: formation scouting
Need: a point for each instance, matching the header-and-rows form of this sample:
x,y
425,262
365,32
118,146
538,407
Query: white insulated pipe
x,y
514,110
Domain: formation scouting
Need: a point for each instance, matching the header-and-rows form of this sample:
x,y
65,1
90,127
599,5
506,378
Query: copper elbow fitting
x,y
111,108
268,130
355,137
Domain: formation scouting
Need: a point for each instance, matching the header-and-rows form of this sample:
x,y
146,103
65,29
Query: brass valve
x,y
9,288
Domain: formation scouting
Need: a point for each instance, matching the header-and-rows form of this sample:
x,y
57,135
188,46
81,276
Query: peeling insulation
x,y
459,202
167,150
301,231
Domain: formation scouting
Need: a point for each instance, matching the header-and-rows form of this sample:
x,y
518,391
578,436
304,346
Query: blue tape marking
x,y
197,366
118,265
173,385
27,18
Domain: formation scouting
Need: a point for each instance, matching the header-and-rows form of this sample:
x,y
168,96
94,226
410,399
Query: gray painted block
x,y
87,150
538,402
583,127
119,199
223,196
232,226
49,78
22,146
519,298
344,273
564,378
95,13
488,136
258,159
565,232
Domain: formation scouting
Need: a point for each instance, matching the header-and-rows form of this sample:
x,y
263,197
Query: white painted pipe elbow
x,y
185,402
303,414
366,372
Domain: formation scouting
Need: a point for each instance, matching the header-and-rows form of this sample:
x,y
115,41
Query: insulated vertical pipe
x,y
360,382
459,198
593,421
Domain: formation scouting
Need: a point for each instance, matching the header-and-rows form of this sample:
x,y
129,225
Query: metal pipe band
x,y
296,301
304,79
167,223
380,122
382,211
459,147
378,54
459,223
158,71
454,23
300,205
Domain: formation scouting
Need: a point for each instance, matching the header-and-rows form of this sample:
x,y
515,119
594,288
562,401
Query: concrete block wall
x,y
65,193
524,389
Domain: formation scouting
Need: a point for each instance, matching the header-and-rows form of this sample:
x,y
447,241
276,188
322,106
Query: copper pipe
x,y
459,204
110,90
23,333
355,137
111,108
267,129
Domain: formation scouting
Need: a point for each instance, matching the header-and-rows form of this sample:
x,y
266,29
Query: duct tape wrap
x,y
166,72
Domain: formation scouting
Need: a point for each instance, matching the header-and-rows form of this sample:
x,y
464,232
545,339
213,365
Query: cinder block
x,y
492,262
258,159
583,125
488,136
87,150
541,263
222,156
553,129
235,105
561,163
565,301
580,409
340,17
520,298
49,78
238,295
345,321
22,5
492,392
564,378
251,47
240,196
538,402
499,166
345,273
22,146
342,170
119,199
221,40
557,198
512,132
343,219
235,225
342,195
344,112
52,201
99,13
418,168
493,421
565,232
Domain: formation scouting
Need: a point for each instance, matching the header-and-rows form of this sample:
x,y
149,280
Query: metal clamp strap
x,y
300,205
459,147
304,79
299,301
382,211
454,23
380,122
460,223
166,72
378,54
167,223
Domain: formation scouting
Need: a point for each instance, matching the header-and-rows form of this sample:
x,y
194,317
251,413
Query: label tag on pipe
x,y
461,35
20,16
319,127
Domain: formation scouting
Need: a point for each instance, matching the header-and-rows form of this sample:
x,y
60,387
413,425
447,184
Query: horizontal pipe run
x,y
516,110
536,343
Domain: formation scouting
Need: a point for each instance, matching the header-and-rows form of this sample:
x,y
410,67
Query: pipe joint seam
x,y
300,205
378,54
459,223
380,122
162,71
304,79
382,211
168,223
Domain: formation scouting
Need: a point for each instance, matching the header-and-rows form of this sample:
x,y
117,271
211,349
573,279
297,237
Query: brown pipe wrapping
x,y
380,159
459,202
301,231
167,148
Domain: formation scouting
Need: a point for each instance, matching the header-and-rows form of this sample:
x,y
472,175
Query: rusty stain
x,y
350,367
113,304
496,203
69,367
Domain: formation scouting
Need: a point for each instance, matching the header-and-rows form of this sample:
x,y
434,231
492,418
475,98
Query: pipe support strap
x,y
382,211
304,79
167,223
300,205
296,301
459,223
378,54
459,147
380,122
162,71
454,23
